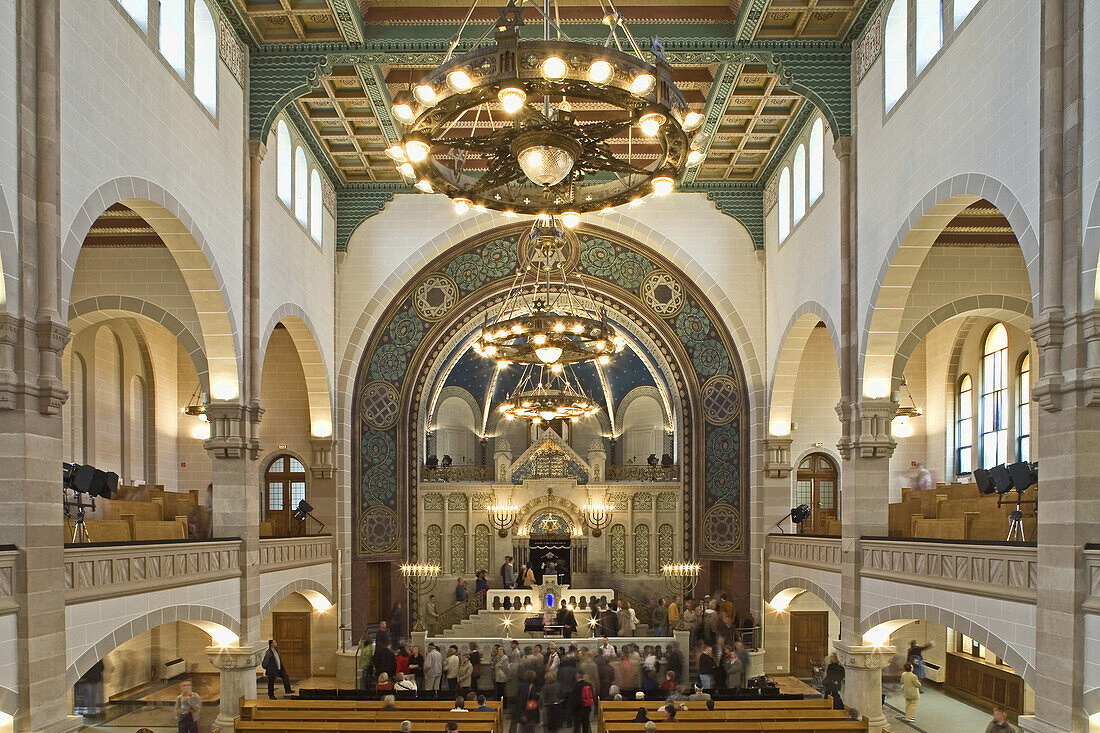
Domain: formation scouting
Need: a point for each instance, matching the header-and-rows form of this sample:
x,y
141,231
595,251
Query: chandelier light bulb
x,y
417,149
548,354
642,83
425,185
554,68
559,327
556,368
692,120
403,107
603,359
695,157
539,339
570,219
459,81
406,170
650,123
600,72
461,205
663,184
396,152
512,99
425,94
547,415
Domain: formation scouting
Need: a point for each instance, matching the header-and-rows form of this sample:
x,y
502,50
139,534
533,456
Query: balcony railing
x,y
279,553
102,571
454,473
643,472
7,580
995,570
822,553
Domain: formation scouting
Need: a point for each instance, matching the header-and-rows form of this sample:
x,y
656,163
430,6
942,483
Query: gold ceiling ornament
x,y
542,320
527,151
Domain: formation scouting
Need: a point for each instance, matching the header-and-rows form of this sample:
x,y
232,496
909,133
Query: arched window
x,y
817,152
799,183
285,484
964,426
315,206
784,204
962,9
1023,410
301,185
138,10
172,34
282,162
994,416
206,57
929,31
894,63
816,485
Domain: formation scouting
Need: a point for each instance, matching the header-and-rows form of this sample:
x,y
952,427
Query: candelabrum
x,y
681,579
597,516
502,517
419,579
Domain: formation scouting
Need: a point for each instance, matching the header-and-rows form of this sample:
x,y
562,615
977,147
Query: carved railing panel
x,y
462,472
816,552
999,571
643,472
292,552
92,573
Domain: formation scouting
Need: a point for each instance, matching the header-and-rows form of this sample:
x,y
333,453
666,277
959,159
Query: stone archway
x,y
797,333
806,585
303,586
318,386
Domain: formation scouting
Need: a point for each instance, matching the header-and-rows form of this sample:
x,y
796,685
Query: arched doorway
x,y
816,485
284,487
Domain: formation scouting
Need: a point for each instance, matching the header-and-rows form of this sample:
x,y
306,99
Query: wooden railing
x,y
103,571
280,553
7,580
996,570
822,553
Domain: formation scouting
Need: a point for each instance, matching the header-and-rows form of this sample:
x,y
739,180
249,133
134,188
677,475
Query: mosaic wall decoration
x,y
550,523
434,544
665,550
641,548
676,316
481,547
458,548
549,461
618,548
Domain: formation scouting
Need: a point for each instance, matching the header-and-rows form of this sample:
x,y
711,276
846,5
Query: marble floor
x,y
937,712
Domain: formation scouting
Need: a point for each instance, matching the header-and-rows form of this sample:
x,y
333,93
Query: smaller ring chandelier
x,y
542,321
482,128
555,400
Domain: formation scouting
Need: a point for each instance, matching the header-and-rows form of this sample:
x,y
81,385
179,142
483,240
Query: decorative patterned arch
x,y
206,618
795,336
807,585
194,257
910,246
295,586
934,614
304,335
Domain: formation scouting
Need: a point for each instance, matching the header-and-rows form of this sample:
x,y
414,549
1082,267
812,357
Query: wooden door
x,y
291,632
376,604
809,641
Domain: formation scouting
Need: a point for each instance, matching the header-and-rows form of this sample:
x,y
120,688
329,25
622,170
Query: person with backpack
x,y
585,703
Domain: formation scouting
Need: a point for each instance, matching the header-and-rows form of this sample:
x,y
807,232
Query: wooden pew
x,y
700,705
359,716
160,530
102,530
750,726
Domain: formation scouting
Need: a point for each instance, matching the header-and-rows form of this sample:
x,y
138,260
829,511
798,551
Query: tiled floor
x,y
936,713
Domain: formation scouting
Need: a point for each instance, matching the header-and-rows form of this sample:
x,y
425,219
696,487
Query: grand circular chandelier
x,y
542,319
545,402
495,128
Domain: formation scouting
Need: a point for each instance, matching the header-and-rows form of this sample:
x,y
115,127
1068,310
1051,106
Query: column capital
x,y
1048,330
52,337
778,462
257,149
226,436
842,148
236,657
255,411
1090,379
322,465
873,439
863,656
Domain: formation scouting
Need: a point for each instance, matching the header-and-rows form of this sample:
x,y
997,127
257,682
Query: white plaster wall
x,y
1011,621
294,268
9,142
827,580
974,109
274,581
1090,158
805,267
816,393
9,651
87,623
125,112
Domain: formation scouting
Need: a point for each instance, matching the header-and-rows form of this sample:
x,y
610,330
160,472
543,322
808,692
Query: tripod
x,y
80,530
1016,526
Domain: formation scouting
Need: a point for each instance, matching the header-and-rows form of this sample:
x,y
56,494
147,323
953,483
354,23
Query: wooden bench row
x,y
953,512
754,726
129,528
632,706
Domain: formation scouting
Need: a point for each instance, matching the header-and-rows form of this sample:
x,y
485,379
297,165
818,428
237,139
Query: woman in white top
x,y
628,620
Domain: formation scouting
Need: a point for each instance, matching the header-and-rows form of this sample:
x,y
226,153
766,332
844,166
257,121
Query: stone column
x,y
253,362
863,665
236,482
237,665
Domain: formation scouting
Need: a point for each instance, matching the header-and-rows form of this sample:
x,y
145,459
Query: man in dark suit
x,y
273,667
567,620
385,661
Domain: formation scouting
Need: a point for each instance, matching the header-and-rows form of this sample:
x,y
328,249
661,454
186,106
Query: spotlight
x,y
304,512
983,480
1002,482
666,460
800,513
447,461
1024,475
89,480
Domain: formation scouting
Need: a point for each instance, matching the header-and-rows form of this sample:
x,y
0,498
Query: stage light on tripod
x,y
984,481
1024,475
1002,481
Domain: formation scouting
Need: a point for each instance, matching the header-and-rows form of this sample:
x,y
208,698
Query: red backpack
x,y
586,696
